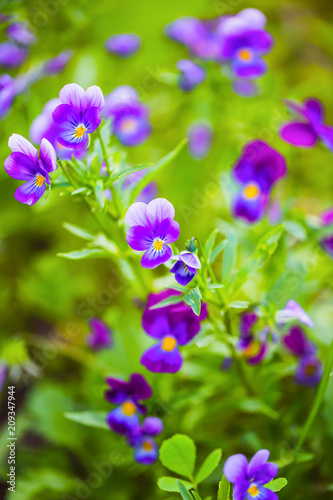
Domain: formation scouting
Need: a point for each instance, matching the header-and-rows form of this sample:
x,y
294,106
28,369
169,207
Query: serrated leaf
x,y
224,489
229,256
193,299
277,484
173,299
129,170
78,231
209,465
86,253
168,483
88,418
178,454
186,495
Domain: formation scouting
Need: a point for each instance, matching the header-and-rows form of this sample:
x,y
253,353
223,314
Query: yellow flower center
x,y
80,130
128,125
251,191
245,55
39,181
168,344
158,244
147,446
251,350
253,490
128,408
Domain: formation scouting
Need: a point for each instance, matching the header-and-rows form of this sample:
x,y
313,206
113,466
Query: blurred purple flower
x,y
21,34
309,370
257,170
200,137
186,267
3,375
78,114
244,87
24,164
249,479
305,133
57,64
12,55
253,348
293,312
191,75
148,193
296,342
123,45
152,228
141,439
7,94
100,336
327,241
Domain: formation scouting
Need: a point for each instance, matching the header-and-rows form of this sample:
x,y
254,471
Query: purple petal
x,y
245,88
327,245
200,138
94,97
48,156
158,210
147,452
100,336
168,231
186,30
57,64
118,99
139,237
19,144
266,494
291,312
74,95
153,258
182,333
123,45
240,490
249,209
247,321
309,371
121,423
257,358
12,55
158,360
159,327
254,68
299,134
139,387
20,166
297,343
235,468
91,119
260,458
131,130
254,18
20,34
314,110
183,274
136,215
191,74
326,217
190,259
152,426
264,474
326,135
29,193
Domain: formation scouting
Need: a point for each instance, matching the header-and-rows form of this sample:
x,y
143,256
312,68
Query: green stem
x,y
212,274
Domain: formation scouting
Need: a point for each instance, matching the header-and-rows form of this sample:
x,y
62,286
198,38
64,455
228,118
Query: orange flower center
x,y
253,490
147,446
80,130
128,408
250,350
158,244
39,181
169,343
251,191
245,55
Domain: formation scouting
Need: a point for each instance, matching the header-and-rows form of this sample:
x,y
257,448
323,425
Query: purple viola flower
x,y
57,64
191,75
186,267
7,94
253,348
152,228
78,114
124,45
243,43
249,479
309,370
257,170
24,164
293,312
148,193
327,241
200,137
310,128
12,55
100,336
130,117
21,34
185,30
44,126
127,396
297,343
145,447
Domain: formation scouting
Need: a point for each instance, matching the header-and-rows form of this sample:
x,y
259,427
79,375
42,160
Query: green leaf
x,y
196,496
178,454
209,465
99,193
239,304
210,242
277,484
89,418
150,176
193,299
217,250
79,190
129,170
173,299
168,483
78,231
224,489
86,253
183,491
253,405
229,257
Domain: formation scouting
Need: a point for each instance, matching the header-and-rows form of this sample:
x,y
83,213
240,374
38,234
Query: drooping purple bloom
x,y
124,45
257,171
100,336
253,347
127,396
309,370
191,75
200,137
249,479
186,267
24,164
78,114
306,131
297,343
293,312
57,64
145,447
7,94
12,55
130,117
327,241
44,126
21,34
152,228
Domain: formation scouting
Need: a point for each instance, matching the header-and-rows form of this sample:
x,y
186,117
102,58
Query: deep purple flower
x,y
148,193
310,128
78,114
100,336
44,126
7,94
21,34
130,117
309,370
145,447
249,479
127,396
200,137
12,55
257,170
24,164
186,267
191,74
151,229
327,241
57,64
124,45
293,312
253,347
297,343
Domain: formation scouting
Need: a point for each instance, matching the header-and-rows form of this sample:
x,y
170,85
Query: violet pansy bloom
x,y
21,34
191,75
297,343
152,228
24,164
130,117
7,94
200,137
249,479
186,267
127,396
293,312
78,114
310,128
12,55
257,171
253,348
123,45
57,64
145,447
327,241
309,370
100,336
